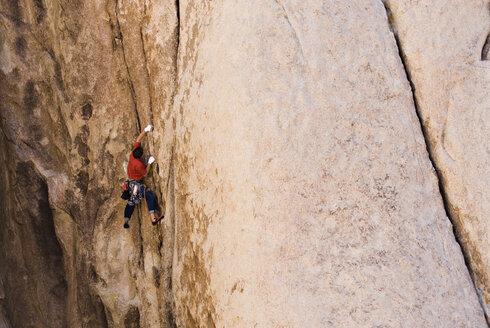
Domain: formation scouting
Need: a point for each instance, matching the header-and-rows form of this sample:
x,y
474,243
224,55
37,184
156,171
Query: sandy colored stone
x,y
290,165
452,84
304,193
76,81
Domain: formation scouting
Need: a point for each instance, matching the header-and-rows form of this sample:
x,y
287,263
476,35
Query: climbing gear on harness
x,y
126,194
133,192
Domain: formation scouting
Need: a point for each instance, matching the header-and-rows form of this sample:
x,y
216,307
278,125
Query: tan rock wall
x,y
76,79
291,168
304,193
442,45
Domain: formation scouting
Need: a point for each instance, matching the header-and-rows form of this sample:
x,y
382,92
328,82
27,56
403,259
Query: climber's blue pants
x,y
151,201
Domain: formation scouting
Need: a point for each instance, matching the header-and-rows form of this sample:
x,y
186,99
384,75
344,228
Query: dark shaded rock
x,y
132,319
31,256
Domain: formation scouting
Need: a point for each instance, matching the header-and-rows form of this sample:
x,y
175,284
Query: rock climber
x,y
134,187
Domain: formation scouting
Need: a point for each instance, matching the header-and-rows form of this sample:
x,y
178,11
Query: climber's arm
x,y
150,161
142,134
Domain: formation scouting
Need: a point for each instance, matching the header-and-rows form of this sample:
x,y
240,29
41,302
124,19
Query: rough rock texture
x,y
4,320
292,167
76,81
452,86
302,179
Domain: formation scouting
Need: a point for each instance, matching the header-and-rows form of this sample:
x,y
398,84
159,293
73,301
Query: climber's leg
x,y
128,211
151,201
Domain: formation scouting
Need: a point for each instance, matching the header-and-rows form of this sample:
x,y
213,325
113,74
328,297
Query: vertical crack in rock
x,y
440,177
177,32
176,84
170,300
177,8
486,49
130,81
141,258
147,71
170,168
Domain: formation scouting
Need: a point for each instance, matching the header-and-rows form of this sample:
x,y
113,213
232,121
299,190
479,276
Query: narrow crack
x,y
147,72
130,81
486,49
170,304
176,80
177,7
169,168
440,177
141,259
170,300
174,92
33,148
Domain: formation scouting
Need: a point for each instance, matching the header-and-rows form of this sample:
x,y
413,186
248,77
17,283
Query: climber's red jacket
x,y
136,167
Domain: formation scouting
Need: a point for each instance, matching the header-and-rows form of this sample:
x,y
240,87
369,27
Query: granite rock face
x,y
291,164
302,179
77,79
451,76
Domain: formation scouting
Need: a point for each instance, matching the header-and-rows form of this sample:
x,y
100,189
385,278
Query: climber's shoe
x,y
156,220
126,225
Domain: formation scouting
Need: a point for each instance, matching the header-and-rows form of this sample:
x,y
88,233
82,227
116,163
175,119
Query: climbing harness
x,y
133,192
